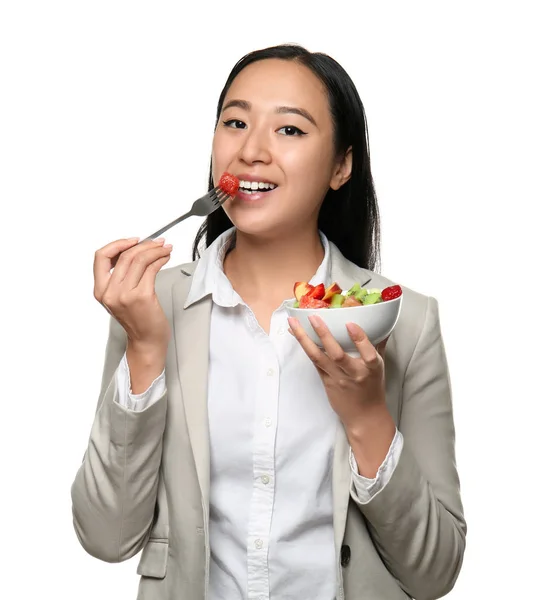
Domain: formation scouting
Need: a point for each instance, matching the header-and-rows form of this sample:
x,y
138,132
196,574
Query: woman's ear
x,y
343,170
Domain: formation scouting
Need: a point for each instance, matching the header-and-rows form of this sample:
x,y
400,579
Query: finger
x,y
140,264
362,343
148,280
340,359
127,258
103,262
315,354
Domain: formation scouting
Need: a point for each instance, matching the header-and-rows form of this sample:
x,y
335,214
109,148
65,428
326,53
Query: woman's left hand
x,y
354,386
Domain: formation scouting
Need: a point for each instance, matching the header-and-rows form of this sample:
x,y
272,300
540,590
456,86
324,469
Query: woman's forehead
x,y
268,84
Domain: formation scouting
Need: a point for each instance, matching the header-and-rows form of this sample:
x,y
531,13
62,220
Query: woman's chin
x,y
256,225
251,220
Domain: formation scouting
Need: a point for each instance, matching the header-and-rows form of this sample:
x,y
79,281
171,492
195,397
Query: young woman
x,y
243,461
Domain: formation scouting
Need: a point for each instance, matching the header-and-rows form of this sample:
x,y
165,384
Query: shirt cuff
x,y
366,488
137,402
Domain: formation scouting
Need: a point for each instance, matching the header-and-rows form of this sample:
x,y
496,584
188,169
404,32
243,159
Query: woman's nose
x,y
255,148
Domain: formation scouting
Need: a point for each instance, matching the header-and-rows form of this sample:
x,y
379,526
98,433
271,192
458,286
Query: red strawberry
x,y
392,292
308,302
318,292
229,183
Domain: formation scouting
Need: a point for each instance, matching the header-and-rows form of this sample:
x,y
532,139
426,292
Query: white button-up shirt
x,y
272,433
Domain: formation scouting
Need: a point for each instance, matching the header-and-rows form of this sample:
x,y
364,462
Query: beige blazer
x,y
144,480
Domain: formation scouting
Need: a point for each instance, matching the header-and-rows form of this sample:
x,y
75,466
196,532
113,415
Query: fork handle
x,y
168,226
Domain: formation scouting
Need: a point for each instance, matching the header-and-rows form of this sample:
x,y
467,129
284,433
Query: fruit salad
x,y
310,296
229,183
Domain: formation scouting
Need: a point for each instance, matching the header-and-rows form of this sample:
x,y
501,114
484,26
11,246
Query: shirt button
x,y
281,330
270,372
265,479
268,422
259,544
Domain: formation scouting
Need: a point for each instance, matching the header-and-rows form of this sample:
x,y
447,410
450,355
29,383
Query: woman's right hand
x,y
125,276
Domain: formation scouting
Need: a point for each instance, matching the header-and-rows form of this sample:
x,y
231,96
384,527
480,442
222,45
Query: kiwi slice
x,y
354,289
373,298
362,294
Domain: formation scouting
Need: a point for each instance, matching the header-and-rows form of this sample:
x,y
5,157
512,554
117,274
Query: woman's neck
x,y
260,269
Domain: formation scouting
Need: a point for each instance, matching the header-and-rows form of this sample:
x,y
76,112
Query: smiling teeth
x,y
256,185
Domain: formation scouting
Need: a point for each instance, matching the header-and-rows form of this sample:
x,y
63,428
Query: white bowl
x,y
376,320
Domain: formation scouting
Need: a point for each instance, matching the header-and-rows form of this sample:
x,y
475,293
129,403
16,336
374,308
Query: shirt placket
x,y
262,500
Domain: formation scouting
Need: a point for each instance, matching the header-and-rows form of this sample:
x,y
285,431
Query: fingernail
x,y
168,246
159,240
314,320
293,323
133,239
352,328
290,331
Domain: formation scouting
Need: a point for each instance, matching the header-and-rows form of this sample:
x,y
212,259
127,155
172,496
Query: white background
x,y
106,119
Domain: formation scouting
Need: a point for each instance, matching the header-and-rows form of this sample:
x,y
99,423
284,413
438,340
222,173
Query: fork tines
x,y
218,195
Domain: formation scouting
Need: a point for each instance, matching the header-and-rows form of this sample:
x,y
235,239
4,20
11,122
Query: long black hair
x,y
349,216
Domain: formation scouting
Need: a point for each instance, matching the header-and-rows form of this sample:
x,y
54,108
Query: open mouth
x,y
252,187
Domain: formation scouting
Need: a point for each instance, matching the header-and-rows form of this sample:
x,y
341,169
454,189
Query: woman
x,y
248,463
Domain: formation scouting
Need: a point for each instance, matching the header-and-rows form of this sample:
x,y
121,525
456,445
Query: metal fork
x,y
202,207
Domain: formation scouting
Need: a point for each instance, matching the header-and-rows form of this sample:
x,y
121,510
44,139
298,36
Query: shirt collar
x,y
209,277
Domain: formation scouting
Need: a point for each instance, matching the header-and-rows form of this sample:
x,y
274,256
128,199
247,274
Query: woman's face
x,y
276,128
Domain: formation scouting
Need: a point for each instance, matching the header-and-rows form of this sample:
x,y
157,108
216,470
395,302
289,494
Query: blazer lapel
x,y
191,337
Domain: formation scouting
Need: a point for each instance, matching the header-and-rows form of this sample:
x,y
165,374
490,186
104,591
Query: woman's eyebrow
x,y
285,110
243,104
282,110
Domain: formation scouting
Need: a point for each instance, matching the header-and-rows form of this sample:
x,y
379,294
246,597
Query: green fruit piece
x,y
296,304
374,291
337,300
372,298
354,289
362,294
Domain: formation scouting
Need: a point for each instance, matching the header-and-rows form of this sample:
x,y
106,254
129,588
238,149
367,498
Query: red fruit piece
x,y
318,292
308,302
229,183
392,292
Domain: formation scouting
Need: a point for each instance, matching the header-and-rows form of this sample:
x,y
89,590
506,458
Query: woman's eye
x,y
234,124
290,130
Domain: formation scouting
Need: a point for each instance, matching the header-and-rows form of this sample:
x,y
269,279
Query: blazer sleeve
x,y
417,521
115,488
